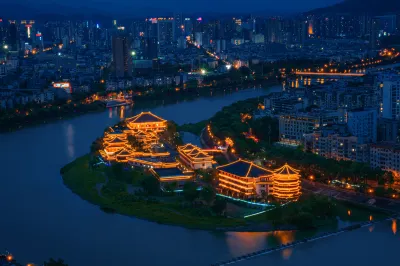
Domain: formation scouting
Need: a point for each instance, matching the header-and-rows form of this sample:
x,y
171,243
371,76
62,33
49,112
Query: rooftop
x,y
286,170
170,172
245,169
145,117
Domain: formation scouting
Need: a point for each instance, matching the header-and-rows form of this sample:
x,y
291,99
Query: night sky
x,y
215,6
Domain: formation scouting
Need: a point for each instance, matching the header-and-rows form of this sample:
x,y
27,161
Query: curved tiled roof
x,y
245,169
286,170
145,117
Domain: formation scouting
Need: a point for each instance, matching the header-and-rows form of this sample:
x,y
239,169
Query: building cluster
x,y
348,119
162,51
139,143
246,180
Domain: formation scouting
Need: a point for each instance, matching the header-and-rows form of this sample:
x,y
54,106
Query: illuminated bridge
x,y
329,74
299,242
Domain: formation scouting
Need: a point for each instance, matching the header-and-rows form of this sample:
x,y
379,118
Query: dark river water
x,y
41,218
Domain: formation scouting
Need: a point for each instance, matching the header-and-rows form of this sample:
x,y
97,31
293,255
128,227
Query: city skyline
x,y
128,9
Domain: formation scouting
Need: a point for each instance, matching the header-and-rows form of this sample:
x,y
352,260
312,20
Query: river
x,y
41,218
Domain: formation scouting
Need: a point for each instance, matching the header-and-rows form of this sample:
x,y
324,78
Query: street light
x,y
133,53
5,46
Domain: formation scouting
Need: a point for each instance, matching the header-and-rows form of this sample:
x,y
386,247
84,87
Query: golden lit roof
x,y
123,152
244,168
193,151
116,140
286,170
145,117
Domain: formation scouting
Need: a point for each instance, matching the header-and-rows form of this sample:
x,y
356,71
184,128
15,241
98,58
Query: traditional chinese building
x,y
116,147
172,176
244,179
194,157
146,121
286,183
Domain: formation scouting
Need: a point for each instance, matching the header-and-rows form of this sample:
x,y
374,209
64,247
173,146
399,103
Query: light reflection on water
x,y
240,243
394,226
69,133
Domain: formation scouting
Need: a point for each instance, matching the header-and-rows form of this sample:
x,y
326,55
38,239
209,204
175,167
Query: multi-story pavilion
x,y
244,179
286,183
146,121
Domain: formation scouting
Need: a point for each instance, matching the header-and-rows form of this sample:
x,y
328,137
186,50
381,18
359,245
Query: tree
x,y
117,169
192,84
53,262
135,143
219,206
190,192
151,185
207,194
170,187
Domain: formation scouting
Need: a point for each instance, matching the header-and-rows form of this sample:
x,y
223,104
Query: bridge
x,y
299,242
329,74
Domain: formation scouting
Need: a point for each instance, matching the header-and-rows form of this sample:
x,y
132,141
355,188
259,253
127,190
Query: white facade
x,y
258,38
391,97
386,157
363,124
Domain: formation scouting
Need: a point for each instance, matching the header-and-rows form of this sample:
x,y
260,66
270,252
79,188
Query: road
x,y
352,196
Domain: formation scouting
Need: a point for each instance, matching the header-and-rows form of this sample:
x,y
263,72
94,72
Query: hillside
x,y
373,7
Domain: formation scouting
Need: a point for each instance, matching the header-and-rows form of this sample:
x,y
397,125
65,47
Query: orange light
x,y
9,258
348,212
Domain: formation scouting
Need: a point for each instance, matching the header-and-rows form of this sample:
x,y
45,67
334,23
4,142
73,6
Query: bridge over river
x,y
299,242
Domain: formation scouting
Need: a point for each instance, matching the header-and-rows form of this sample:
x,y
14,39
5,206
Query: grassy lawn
x,y
193,128
169,210
82,180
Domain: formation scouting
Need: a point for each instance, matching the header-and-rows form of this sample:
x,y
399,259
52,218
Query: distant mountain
x,y
27,9
374,7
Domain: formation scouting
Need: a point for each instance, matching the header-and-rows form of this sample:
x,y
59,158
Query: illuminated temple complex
x,y
194,157
145,127
246,180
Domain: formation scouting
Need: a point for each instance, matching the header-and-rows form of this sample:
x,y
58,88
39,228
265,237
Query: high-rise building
x,y
122,59
178,26
13,37
151,28
274,32
165,31
258,38
391,97
188,26
363,124
373,42
182,42
198,37
150,48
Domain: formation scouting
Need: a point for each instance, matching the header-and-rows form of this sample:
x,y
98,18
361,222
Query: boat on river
x,y
117,103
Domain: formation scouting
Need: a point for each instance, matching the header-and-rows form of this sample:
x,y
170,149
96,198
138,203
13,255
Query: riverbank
x,y
255,139
18,119
94,186
125,195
